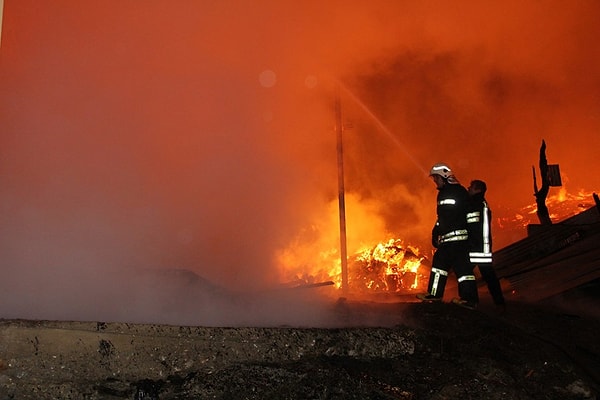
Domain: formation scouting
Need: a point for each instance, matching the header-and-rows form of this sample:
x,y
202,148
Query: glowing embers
x,y
387,267
561,205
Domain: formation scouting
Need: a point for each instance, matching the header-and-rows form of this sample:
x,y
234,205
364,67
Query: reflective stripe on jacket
x,y
480,233
451,224
454,236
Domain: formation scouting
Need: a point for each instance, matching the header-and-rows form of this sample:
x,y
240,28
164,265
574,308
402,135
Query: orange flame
x,y
561,205
387,267
313,256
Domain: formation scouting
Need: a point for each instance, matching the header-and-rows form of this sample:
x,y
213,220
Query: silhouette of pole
x,y
1,12
342,202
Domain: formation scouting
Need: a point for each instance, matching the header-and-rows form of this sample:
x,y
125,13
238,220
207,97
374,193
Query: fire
x,y
373,265
386,267
512,226
561,205
390,266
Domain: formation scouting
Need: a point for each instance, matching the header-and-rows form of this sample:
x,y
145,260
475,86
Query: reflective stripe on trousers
x,y
466,278
436,279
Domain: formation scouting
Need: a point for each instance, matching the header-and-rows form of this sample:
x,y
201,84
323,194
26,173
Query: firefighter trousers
x,y
489,276
448,256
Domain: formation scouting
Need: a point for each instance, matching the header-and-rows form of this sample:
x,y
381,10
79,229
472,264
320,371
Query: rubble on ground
x,y
429,351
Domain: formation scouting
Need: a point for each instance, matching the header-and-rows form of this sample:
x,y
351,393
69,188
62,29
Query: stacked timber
x,y
552,258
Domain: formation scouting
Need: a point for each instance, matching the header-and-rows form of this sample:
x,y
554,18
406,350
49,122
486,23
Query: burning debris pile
x,y
388,267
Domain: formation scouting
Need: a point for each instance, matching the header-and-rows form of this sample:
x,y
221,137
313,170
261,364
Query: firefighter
x,y
451,240
479,225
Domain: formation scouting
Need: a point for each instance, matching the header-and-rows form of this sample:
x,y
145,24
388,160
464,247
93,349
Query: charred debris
x,y
554,258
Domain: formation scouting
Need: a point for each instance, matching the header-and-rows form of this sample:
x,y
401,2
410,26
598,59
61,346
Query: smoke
x,y
199,136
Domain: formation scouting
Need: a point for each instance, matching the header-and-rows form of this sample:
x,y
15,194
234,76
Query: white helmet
x,y
442,170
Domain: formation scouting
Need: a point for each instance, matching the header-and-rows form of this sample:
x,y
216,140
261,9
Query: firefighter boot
x,y
464,303
429,298
467,290
436,286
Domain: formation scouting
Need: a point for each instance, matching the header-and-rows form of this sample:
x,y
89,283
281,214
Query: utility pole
x,y
342,202
1,13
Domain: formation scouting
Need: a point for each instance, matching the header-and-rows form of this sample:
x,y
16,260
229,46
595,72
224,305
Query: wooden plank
x,y
589,216
552,259
553,239
535,290
546,246
587,245
551,279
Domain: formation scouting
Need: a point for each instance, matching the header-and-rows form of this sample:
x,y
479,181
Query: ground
x,y
420,351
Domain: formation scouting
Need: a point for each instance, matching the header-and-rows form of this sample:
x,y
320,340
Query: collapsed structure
x,y
553,258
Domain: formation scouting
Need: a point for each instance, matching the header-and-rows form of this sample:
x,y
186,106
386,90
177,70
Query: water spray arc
x,y
339,128
381,126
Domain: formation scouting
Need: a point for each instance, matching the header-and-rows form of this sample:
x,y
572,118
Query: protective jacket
x,y
450,237
451,224
479,219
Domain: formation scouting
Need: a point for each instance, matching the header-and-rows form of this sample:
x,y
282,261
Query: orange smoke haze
x,y
142,136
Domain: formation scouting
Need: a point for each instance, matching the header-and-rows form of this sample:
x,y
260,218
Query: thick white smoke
x,y
199,136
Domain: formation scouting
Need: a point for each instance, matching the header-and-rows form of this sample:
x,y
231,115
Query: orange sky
x,y
200,135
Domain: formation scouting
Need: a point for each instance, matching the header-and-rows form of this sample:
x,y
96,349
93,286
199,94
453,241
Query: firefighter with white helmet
x,y
451,240
441,169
